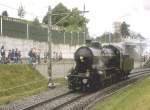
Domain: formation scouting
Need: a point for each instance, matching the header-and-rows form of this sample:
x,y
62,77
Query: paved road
x,y
59,69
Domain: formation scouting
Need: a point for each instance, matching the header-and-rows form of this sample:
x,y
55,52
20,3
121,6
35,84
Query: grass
x,y
60,81
18,81
135,97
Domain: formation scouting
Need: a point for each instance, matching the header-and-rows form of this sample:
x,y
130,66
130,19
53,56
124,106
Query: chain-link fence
x,y
17,28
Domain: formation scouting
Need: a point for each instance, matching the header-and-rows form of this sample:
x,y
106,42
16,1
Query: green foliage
x,y
5,13
59,9
76,21
36,21
73,28
73,22
125,29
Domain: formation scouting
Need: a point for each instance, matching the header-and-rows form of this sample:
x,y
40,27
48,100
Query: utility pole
x,y
50,84
84,25
109,38
140,53
1,25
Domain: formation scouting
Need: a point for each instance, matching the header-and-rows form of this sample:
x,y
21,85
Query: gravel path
x,y
17,105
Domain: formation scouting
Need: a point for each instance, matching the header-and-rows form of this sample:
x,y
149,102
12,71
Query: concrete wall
x,y
25,45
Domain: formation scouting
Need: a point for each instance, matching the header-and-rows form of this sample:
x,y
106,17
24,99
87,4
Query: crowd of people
x,y
13,56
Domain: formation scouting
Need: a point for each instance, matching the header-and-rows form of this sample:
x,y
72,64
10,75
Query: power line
x,y
8,6
29,13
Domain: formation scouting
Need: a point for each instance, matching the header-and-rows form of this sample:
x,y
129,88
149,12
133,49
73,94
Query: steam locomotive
x,y
98,66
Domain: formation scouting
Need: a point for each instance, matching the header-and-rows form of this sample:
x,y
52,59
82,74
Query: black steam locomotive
x,y
98,66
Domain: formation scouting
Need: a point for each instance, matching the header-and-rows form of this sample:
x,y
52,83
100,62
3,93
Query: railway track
x,y
79,101
82,104
59,102
53,106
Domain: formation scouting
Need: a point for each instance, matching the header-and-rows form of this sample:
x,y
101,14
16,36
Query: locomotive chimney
x,y
88,42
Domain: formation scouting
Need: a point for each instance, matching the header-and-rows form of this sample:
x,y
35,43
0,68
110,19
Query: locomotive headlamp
x,y
100,72
81,58
84,81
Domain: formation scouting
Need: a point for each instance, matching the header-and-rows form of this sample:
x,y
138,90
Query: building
x,y
117,27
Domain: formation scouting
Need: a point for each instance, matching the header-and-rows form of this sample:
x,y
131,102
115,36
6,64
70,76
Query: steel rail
x,y
138,73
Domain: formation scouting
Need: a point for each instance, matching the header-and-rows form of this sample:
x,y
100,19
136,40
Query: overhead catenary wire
x,y
16,9
41,17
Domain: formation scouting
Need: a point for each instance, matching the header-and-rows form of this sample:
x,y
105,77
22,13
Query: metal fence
x,y
18,28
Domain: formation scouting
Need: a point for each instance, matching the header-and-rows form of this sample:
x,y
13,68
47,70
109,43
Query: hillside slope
x,y
17,81
135,97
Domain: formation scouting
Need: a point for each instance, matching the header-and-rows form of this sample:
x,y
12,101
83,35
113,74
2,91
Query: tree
x,y
36,21
76,21
21,11
124,29
5,13
60,8
71,22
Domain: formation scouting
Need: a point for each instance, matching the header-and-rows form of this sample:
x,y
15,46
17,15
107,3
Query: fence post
x,y
27,31
71,38
1,26
78,38
84,37
47,35
64,37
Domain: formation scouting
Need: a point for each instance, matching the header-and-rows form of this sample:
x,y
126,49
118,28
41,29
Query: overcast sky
x,y
102,13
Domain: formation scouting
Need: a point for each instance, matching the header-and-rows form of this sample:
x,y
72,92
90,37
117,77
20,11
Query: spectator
x,y
45,57
9,55
60,56
57,56
38,53
2,55
16,56
30,56
19,57
54,55
13,56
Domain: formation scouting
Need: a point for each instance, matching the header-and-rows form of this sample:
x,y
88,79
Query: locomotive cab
x,y
110,57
